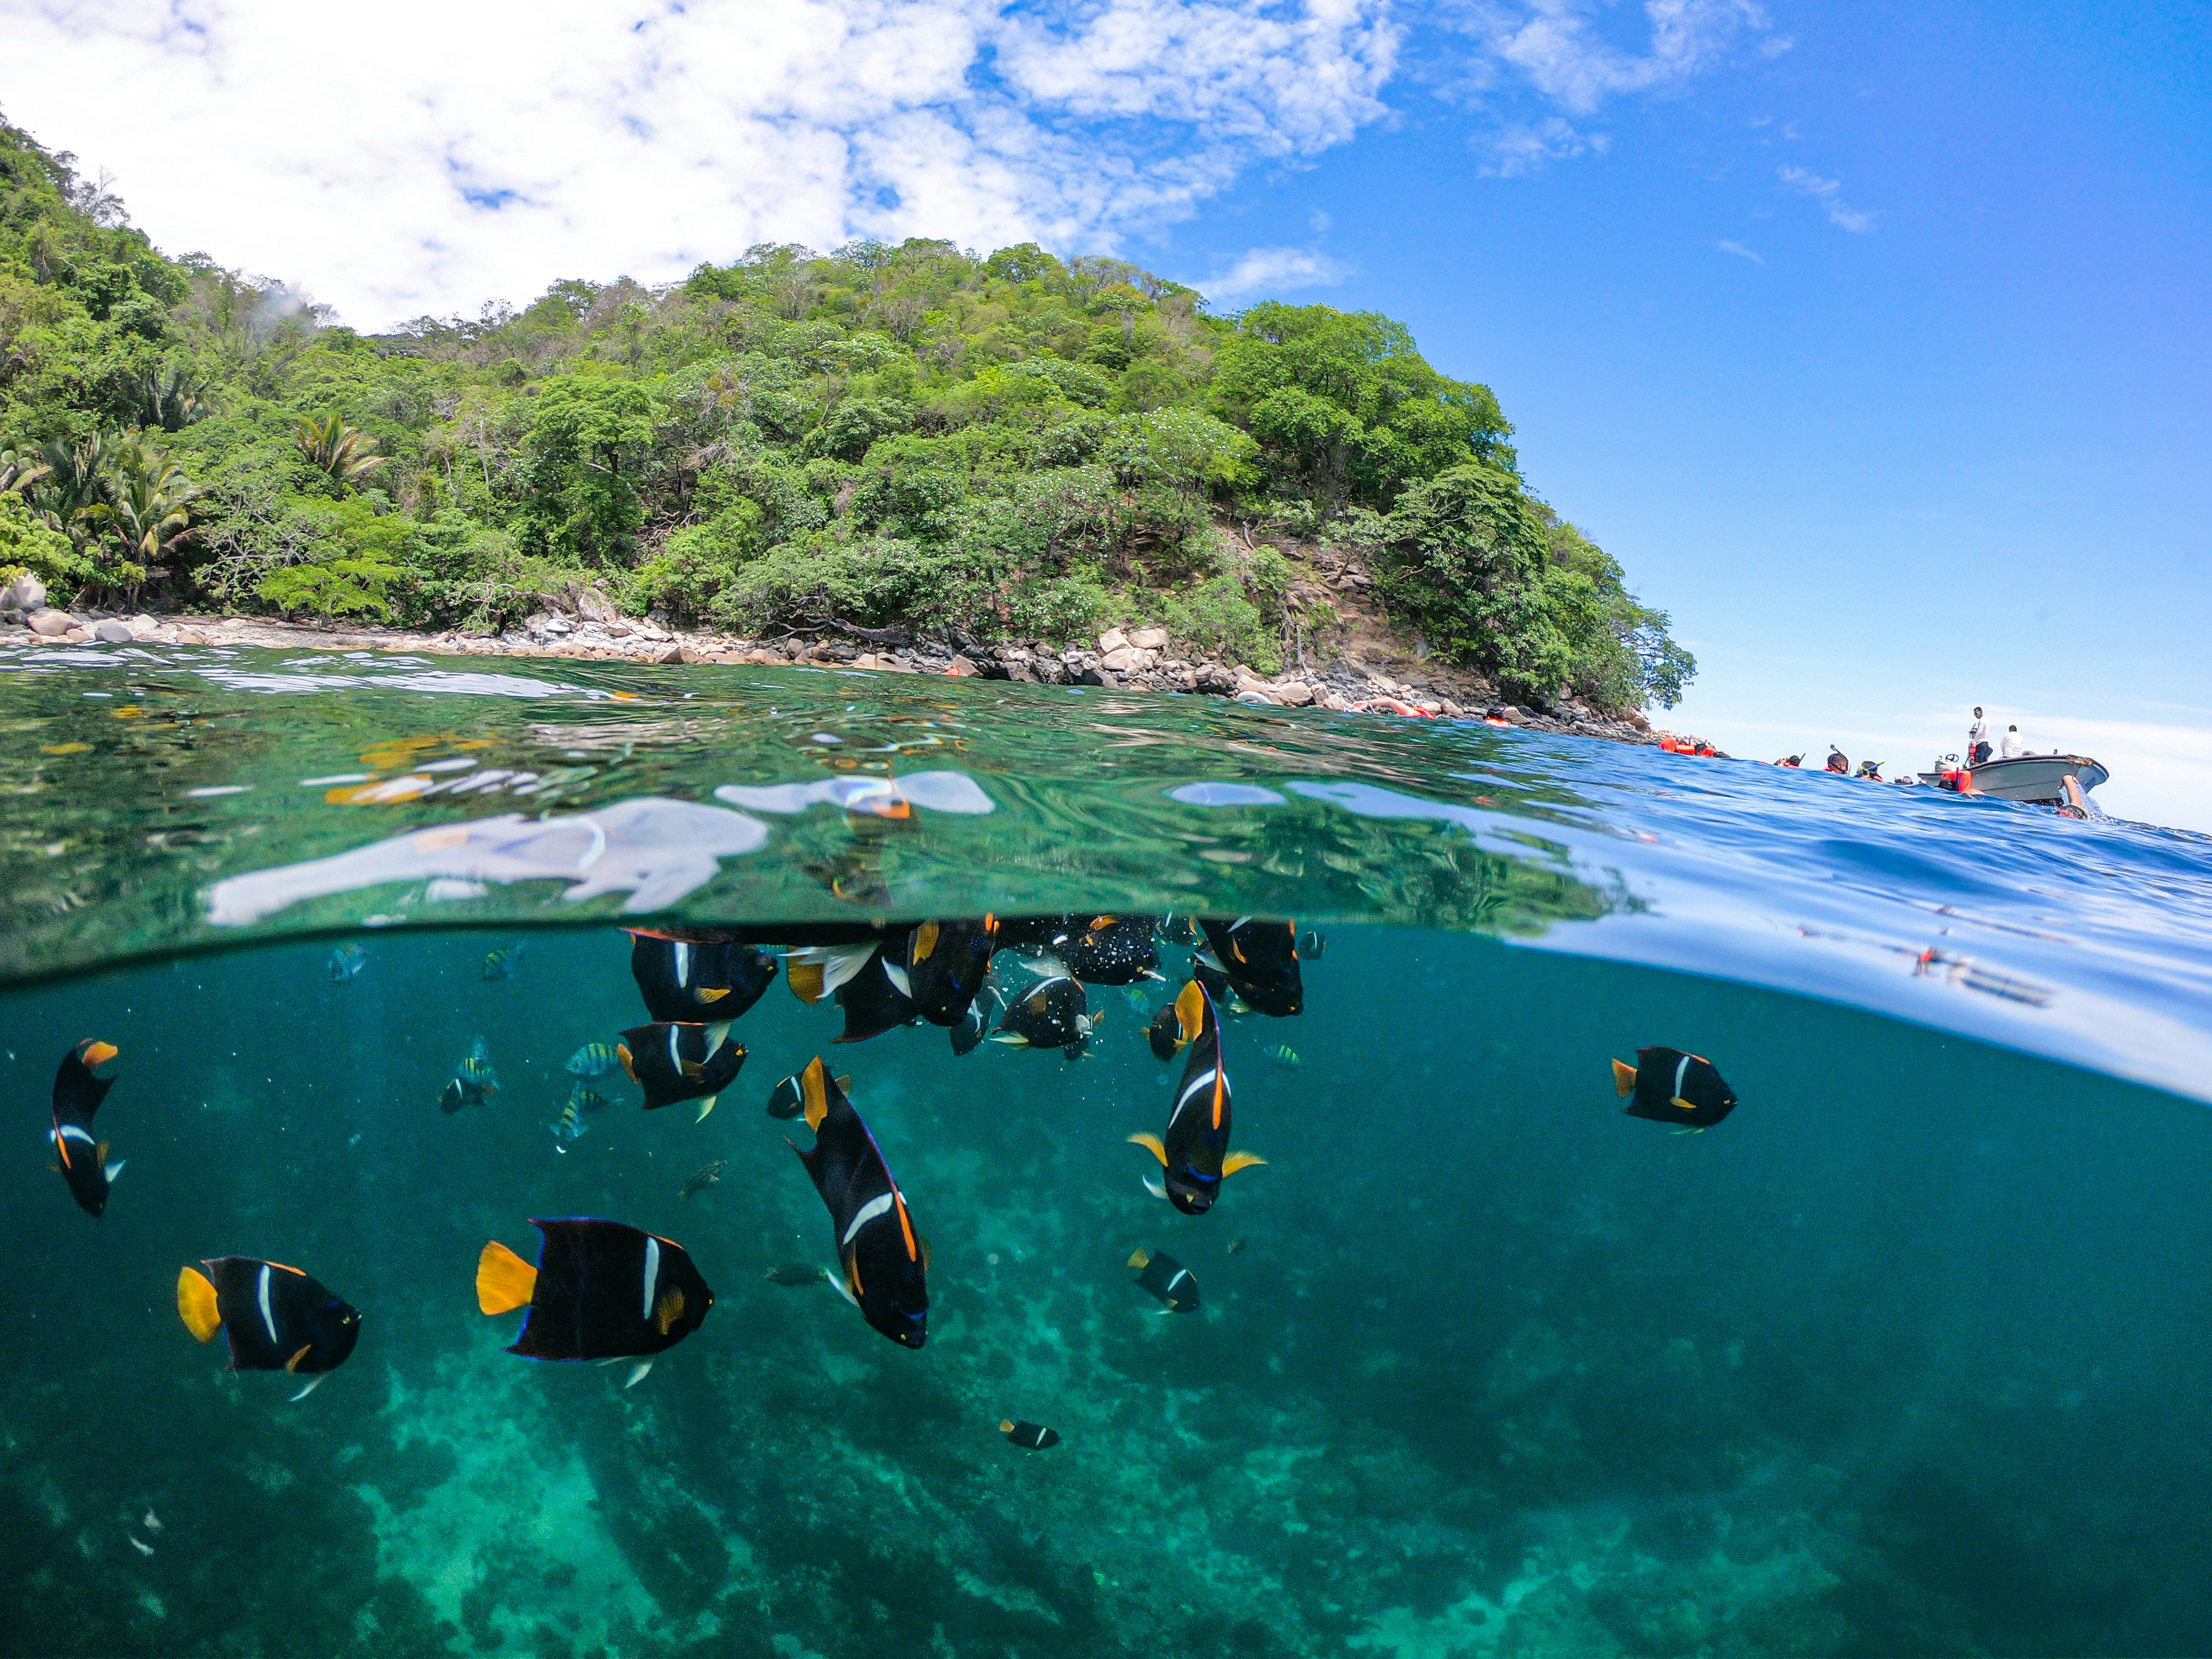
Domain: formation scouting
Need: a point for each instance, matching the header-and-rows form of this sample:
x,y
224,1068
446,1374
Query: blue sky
x,y
1873,339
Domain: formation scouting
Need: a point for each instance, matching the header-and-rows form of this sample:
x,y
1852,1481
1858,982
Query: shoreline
x,y
1138,660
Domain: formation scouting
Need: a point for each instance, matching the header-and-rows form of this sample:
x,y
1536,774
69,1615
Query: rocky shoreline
x,y
1139,658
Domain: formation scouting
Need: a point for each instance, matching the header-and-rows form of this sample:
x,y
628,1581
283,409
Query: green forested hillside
x,y
1013,447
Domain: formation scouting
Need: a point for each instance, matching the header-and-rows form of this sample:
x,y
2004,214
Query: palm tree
x,y
346,453
20,470
170,398
71,491
148,507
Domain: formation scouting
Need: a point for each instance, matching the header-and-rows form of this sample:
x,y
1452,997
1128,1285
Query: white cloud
x,y
442,155
1828,192
1264,271
1742,252
1522,147
1559,46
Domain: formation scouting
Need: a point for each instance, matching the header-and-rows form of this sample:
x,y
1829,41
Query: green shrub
x,y
1216,619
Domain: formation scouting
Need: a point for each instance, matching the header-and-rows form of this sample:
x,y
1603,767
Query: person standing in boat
x,y
2014,745
1978,740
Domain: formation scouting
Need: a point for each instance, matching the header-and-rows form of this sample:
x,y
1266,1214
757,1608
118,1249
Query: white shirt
x,y
2013,747
1977,732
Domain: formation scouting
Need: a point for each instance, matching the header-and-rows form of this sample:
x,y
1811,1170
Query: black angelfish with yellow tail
x,y
875,999
1196,1155
275,1317
601,1290
1669,1086
674,1062
1160,1275
687,980
1260,959
944,965
78,1090
884,1262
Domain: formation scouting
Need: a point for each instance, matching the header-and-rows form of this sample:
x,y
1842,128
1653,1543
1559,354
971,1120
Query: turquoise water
x,y
1908,1355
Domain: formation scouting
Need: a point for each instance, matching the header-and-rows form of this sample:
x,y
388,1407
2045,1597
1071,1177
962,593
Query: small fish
x,y
594,1060
701,1178
276,1318
457,1094
1165,1033
568,1128
1194,1156
1138,997
78,1090
140,1545
1260,960
1048,1015
1164,1277
601,1290
885,1260
678,1062
587,1100
1284,1055
1311,945
1029,1437
476,1069
797,1273
502,965
150,1520
1669,1086
346,961
1235,1245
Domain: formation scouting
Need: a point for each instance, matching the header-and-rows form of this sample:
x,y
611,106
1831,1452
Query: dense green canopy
x,y
1016,446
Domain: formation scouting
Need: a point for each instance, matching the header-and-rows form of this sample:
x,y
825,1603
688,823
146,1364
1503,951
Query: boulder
x,y
1112,640
1332,700
595,606
52,624
1128,660
143,627
1296,694
669,653
1149,639
113,631
27,593
962,669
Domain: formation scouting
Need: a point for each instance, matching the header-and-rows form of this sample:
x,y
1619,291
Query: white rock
x,y
1128,659
1149,639
1256,698
1296,694
111,630
1112,640
1333,700
143,627
26,592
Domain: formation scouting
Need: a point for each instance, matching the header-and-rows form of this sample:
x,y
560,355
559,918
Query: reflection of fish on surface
x,y
601,1290
346,961
1194,1156
1669,1086
1029,1437
1260,959
502,965
687,980
78,1090
707,1174
276,1318
1162,1276
674,1062
884,1262
1048,1015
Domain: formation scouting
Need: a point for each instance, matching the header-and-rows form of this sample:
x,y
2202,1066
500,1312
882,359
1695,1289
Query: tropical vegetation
x,y
1016,446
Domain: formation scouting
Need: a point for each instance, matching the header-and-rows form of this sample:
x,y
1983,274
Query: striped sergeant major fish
x,y
884,1262
1669,1086
600,1290
1194,1156
276,1318
78,1090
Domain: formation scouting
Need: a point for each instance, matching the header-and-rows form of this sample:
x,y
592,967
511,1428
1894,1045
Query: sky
x,y
1874,340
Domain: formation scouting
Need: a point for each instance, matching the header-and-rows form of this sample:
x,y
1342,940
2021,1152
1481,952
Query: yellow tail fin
x,y
804,979
925,943
813,1092
1190,1011
196,1304
504,1281
1140,1261
1151,1144
1623,1080
1236,1161
1006,1425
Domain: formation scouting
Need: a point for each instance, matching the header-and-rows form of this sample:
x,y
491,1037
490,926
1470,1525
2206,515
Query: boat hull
x,y
2040,778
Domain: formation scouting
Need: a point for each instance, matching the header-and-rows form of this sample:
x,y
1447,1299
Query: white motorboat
x,y
2038,777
